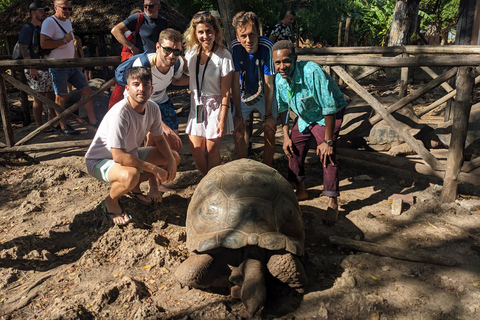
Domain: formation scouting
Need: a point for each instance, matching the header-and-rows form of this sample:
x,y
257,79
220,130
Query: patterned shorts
x,y
43,84
169,116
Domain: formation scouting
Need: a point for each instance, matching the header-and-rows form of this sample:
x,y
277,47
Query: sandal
x,y
114,215
135,197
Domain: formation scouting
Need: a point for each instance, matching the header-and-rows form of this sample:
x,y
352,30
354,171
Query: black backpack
x,y
35,44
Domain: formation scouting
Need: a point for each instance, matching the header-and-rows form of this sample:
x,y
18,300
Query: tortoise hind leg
x,y
195,271
289,269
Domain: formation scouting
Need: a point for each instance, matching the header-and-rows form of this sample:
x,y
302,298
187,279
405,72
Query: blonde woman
x,y
211,69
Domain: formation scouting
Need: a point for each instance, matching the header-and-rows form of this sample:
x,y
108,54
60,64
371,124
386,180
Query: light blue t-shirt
x,y
312,94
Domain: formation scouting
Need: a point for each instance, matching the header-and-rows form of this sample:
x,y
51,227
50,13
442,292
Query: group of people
x,y
56,36
226,86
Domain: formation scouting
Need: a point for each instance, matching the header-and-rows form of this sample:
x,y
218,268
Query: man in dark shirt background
x,y
282,30
147,36
38,80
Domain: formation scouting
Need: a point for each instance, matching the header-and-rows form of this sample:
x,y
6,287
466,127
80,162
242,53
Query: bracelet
x,y
133,45
226,105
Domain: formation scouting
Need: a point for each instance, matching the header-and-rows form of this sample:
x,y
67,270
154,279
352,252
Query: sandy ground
x,y
61,258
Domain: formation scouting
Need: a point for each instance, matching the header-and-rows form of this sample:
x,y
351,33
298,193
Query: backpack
x,y
133,35
125,66
35,44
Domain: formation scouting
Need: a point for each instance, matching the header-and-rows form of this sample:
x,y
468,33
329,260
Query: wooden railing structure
x,y
5,65
462,59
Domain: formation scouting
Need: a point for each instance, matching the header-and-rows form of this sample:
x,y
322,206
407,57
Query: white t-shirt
x,y
160,81
219,66
123,128
50,28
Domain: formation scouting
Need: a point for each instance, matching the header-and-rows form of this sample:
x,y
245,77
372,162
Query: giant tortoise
x,y
244,219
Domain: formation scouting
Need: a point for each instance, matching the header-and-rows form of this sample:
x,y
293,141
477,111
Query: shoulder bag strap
x,y
59,25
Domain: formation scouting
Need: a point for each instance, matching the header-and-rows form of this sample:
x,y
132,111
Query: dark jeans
x,y
301,142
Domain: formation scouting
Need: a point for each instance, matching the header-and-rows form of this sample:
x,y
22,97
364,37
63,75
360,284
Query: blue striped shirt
x,y
263,54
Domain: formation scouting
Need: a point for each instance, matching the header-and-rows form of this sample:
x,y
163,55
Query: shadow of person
x,y
322,259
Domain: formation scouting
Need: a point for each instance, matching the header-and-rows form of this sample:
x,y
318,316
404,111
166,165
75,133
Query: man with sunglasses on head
x,y
146,39
253,84
57,34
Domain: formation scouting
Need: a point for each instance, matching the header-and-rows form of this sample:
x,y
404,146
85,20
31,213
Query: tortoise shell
x,y
244,202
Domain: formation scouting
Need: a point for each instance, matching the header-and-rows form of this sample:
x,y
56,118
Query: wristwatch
x,y
64,40
329,142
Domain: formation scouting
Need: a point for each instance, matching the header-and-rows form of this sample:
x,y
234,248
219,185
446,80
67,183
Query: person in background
x,y
90,50
282,30
57,34
304,88
147,36
211,68
77,42
38,80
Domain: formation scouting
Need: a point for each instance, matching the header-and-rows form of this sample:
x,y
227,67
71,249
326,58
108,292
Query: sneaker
x,y
68,130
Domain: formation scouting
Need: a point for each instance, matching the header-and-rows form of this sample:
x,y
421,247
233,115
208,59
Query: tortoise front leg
x,y
289,269
196,272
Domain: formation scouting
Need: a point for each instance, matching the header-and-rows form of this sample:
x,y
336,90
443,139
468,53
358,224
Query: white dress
x,y
219,66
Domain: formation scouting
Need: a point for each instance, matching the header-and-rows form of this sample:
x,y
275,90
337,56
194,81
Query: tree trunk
x,y
228,8
404,22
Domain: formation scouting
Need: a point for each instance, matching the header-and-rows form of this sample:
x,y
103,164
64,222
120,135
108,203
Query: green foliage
x,y
440,16
371,20
188,8
319,21
5,4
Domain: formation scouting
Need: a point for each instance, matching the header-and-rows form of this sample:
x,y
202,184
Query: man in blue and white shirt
x,y
253,84
304,88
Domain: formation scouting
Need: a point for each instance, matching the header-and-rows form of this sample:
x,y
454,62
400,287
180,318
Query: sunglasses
x,y
168,51
149,6
201,14
66,8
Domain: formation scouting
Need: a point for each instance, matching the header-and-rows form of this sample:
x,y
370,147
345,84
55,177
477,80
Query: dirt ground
x,y
61,258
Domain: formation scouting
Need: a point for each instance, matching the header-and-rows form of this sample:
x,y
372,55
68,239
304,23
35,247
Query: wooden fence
x,y
462,59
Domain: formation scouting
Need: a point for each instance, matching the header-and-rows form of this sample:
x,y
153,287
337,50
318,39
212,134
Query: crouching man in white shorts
x,y
115,154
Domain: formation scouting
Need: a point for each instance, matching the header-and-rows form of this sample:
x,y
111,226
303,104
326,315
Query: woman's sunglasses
x,y
201,14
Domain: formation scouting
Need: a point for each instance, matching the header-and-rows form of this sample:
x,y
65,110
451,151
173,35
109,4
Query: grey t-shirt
x,y
123,128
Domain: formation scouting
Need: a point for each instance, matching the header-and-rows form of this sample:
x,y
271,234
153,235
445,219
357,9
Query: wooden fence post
x,y
461,112
5,112
346,39
403,80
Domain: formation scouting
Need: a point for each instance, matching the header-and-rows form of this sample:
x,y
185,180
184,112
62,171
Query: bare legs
x,y
242,135
205,152
38,108
125,179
